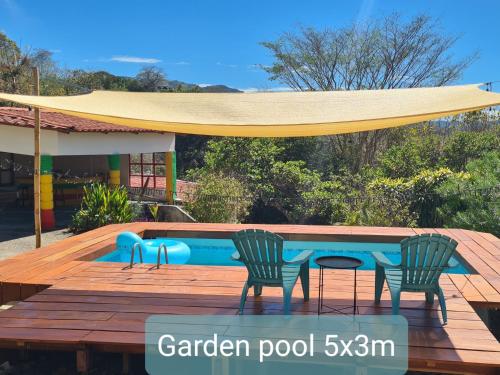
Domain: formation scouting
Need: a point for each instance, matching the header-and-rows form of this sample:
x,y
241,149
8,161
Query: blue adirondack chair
x,y
423,259
262,254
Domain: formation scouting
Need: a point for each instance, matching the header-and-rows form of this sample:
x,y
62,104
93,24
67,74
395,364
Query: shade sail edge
x,y
297,114
272,131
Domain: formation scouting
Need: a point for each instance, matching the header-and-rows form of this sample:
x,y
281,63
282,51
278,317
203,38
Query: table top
x,y
338,261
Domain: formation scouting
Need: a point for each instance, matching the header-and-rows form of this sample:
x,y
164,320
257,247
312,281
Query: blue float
x,y
178,252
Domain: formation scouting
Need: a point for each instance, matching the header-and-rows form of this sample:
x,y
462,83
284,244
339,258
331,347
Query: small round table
x,y
336,262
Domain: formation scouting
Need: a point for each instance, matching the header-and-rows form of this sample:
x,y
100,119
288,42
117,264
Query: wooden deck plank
x,y
489,293
105,304
467,288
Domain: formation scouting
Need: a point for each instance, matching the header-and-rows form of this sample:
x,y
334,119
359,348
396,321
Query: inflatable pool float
x,y
178,252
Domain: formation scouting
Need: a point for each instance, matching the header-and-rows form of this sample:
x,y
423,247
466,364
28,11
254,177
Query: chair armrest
x,y
383,261
301,258
236,256
452,263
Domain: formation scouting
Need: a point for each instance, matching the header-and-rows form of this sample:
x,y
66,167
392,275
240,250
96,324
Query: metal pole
x,y
36,177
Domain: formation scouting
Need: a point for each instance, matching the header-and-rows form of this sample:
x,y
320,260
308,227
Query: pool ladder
x,y
136,245
158,258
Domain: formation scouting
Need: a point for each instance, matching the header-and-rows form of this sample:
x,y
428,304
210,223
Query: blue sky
x,y
217,41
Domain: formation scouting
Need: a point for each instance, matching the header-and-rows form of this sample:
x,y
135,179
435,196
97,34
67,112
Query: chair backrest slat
x,y
262,248
424,257
431,256
261,252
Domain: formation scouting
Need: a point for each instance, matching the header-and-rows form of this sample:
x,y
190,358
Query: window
x,y
147,170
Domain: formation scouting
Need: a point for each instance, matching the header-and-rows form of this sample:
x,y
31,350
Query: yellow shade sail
x,y
268,114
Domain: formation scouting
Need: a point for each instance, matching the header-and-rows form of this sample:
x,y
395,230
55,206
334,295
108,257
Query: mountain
x,y
184,86
79,81
219,88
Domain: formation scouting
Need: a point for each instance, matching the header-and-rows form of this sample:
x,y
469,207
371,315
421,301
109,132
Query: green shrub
x,y
385,203
289,184
403,201
472,200
425,199
328,203
464,146
218,199
420,150
102,205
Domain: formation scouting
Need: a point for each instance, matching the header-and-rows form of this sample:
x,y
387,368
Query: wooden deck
x,y
70,303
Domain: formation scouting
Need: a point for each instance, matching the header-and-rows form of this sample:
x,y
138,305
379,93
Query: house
x,y
77,151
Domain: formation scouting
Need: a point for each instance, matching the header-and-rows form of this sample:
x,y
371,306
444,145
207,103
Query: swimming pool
x,y
217,252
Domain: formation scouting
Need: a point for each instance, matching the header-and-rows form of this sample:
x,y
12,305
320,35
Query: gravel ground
x,y
16,230
20,245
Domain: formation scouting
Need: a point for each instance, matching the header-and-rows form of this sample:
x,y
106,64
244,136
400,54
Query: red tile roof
x,y
23,117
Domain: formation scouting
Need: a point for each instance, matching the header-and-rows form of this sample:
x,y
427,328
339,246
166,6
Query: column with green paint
x,y
171,176
114,169
47,193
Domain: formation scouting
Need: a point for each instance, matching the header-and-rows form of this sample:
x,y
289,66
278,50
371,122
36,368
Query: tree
x,y
281,189
477,121
51,76
388,54
14,67
43,60
80,81
149,79
249,159
190,152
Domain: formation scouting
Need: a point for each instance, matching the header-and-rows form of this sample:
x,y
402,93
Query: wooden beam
x,y
36,176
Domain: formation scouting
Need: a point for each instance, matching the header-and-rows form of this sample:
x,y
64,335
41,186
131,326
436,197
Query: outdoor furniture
x,y
423,259
337,262
262,254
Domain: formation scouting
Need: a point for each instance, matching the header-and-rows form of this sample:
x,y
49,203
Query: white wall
x,y
19,140
74,165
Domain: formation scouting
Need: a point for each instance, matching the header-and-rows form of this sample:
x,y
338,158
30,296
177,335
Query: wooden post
x,y
83,361
36,177
125,363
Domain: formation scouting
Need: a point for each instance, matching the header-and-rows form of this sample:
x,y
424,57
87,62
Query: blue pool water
x,y
217,252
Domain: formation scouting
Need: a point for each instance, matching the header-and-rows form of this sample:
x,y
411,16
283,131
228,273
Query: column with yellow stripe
x,y
47,193
114,169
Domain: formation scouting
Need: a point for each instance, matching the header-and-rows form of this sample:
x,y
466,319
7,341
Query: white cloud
x,y
204,84
267,89
182,63
226,65
257,67
135,59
